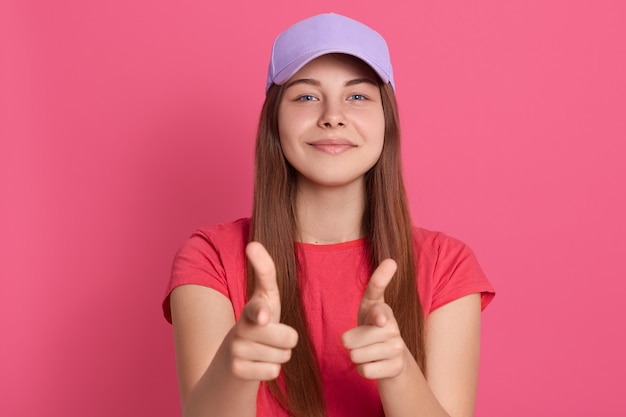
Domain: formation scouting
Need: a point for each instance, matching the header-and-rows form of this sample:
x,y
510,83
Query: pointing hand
x,y
259,343
376,346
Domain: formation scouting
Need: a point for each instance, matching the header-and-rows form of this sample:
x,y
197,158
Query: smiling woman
x,y
327,301
331,122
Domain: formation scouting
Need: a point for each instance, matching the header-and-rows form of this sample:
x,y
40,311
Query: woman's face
x,y
331,122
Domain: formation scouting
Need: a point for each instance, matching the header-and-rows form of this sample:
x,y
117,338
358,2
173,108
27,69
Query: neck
x,y
329,215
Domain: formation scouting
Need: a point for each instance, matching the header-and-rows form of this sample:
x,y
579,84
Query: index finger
x,y
264,269
375,291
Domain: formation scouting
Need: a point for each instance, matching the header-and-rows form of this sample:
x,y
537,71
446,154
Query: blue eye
x,y
357,97
307,98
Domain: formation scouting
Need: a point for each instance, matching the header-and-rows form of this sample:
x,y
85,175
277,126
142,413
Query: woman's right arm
x,y
220,361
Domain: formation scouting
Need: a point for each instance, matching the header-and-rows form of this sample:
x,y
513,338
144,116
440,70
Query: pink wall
x,y
127,124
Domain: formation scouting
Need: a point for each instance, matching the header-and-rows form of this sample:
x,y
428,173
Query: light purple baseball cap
x,y
326,34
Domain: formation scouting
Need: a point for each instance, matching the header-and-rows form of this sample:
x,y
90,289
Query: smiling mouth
x,y
332,146
333,149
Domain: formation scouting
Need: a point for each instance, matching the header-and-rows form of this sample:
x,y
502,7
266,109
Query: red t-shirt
x,y
334,280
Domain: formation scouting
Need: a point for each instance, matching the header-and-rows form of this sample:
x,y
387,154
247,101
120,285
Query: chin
x,y
332,181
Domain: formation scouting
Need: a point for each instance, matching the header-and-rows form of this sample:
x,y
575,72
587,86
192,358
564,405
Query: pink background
x,y
125,125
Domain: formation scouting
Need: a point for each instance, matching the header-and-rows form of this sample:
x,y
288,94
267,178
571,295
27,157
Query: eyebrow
x,y
360,81
316,83
309,81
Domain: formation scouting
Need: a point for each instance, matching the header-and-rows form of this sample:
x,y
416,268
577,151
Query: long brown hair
x,y
387,227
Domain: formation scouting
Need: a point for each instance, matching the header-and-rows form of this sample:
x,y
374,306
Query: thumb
x,y
265,285
375,291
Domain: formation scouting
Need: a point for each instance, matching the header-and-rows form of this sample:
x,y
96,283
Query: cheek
x,y
375,125
285,135
283,129
293,128
287,126
377,137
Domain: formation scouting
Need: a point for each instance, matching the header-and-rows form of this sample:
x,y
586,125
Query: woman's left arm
x,y
452,340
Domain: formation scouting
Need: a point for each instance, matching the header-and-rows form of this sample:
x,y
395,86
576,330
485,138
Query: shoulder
x,y
222,237
231,232
429,243
448,268
213,257
212,250
215,248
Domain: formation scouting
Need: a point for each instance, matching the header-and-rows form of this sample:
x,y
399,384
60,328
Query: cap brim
x,y
290,70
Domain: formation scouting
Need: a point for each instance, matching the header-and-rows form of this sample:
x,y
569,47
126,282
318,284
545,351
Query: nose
x,y
332,115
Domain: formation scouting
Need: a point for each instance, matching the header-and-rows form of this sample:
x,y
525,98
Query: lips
x,y
332,146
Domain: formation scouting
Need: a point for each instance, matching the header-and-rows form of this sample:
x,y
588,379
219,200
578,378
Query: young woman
x,y
327,301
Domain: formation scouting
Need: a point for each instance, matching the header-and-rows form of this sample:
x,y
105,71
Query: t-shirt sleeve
x,y
457,274
197,262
